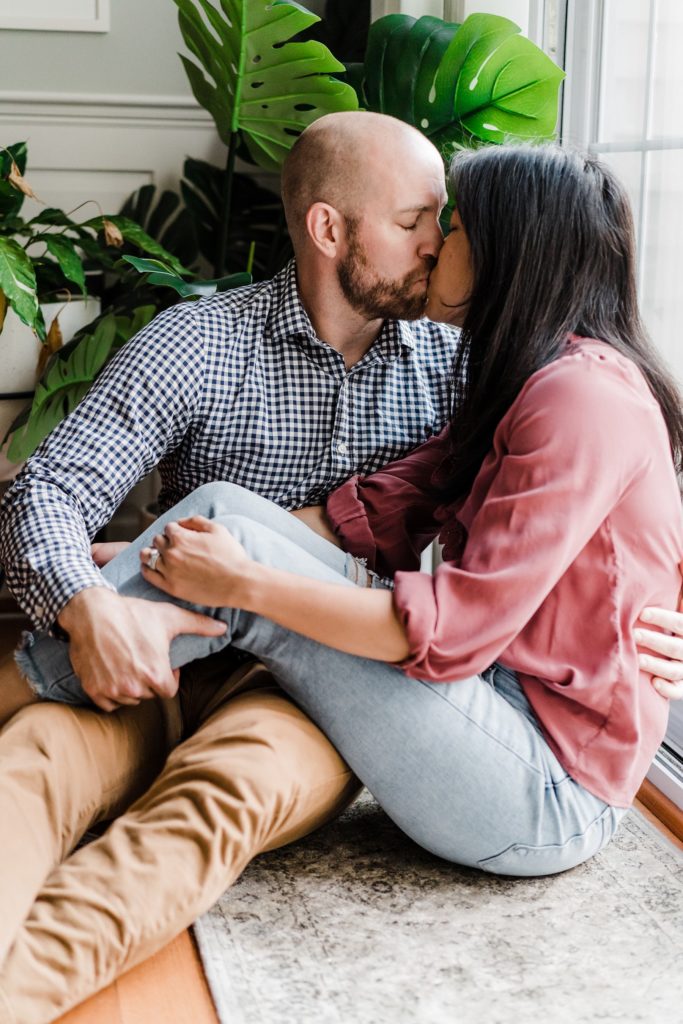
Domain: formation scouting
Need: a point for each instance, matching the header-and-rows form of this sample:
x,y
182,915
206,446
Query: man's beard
x,y
379,298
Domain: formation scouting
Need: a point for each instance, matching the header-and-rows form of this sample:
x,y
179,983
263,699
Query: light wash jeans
x,y
461,767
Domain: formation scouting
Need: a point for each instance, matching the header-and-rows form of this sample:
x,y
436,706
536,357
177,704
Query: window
x,y
623,101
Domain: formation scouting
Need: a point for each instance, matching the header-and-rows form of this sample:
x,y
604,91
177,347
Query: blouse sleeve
x,y
388,518
567,451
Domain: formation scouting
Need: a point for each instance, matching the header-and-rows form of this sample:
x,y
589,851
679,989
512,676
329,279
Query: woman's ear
x,y
325,228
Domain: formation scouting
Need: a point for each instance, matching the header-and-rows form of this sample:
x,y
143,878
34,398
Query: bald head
x,y
343,159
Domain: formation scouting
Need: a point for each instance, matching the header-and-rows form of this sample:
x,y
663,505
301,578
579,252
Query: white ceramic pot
x,y
19,353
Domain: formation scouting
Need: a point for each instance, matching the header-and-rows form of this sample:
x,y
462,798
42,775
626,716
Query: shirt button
x,y
342,448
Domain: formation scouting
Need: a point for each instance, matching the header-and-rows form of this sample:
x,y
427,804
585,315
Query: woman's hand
x,y
662,653
199,561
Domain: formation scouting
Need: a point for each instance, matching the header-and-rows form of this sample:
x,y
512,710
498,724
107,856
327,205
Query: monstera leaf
x,y
164,218
256,218
480,80
251,80
68,377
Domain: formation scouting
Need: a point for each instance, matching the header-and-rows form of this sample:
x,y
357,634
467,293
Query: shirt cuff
x,y
415,604
51,595
349,520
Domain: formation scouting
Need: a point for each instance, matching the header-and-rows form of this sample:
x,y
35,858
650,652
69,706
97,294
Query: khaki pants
x,y
254,773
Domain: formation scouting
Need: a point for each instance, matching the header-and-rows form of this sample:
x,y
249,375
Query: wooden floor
x,y
171,986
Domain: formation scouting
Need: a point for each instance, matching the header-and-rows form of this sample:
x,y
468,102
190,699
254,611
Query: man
x,y
287,388
238,387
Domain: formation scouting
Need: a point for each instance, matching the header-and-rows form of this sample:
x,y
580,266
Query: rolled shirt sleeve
x,y
138,409
389,518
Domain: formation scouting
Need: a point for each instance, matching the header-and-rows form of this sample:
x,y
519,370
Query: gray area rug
x,y
357,925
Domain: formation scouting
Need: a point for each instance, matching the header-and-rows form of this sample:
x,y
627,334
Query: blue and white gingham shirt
x,y
234,387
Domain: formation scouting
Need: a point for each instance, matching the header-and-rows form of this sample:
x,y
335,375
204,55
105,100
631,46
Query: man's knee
x,y
265,760
81,760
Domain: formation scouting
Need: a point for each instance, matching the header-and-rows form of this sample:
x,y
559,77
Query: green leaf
x,y
64,251
11,198
480,79
18,282
133,233
163,275
164,218
69,376
64,384
256,216
251,80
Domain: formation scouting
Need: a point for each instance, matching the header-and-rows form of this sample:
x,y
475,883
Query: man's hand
x,y
663,652
105,551
119,646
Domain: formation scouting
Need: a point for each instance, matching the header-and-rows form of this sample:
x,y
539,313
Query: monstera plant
x,y
461,85
471,84
261,89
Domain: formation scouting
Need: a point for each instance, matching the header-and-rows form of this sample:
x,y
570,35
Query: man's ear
x,y
325,228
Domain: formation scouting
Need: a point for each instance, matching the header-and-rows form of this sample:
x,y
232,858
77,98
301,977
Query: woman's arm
x,y
201,562
388,518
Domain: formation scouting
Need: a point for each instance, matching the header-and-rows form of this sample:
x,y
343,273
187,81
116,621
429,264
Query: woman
x,y
495,709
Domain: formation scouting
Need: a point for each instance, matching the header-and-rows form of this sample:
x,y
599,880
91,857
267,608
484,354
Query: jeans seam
x,y
481,728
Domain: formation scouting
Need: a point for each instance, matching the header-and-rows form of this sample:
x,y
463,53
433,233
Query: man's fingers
x,y
660,643
103,703
672,621
168,686
182,620
671,670
674,691
103,552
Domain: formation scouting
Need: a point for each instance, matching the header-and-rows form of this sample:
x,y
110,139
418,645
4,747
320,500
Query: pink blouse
x,y
573,525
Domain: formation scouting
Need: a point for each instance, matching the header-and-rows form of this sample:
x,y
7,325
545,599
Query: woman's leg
x,y
45,660
457,766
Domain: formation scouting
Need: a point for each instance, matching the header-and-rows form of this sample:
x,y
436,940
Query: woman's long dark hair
x,y
552,249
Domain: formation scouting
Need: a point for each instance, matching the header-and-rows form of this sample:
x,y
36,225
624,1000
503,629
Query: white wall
x,y
103,113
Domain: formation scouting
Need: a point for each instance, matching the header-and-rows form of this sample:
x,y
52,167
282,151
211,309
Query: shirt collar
x,y
288,320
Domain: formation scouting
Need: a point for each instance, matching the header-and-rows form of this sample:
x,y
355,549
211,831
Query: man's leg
x,y
63,768
256,774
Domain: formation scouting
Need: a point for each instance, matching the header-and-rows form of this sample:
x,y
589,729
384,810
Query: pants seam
x,y
480,727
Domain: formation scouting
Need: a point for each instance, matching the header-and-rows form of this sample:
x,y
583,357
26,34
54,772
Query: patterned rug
x,y
357,925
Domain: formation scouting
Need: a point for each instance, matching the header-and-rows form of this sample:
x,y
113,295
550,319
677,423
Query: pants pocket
x,y
520,859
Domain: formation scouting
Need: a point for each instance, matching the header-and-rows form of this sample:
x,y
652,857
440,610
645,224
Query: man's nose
x,y
431,244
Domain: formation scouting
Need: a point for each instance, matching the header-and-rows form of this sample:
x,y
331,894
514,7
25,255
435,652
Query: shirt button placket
x,y
341,427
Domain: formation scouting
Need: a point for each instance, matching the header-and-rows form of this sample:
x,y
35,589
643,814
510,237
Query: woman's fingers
x,y
200,524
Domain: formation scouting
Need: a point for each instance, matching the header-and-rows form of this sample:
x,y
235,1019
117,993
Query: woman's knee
x,y
220,498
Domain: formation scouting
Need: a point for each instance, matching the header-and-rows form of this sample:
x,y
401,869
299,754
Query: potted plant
x,y
44,300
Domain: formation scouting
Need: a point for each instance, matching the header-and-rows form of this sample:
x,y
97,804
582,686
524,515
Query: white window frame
x,y
580,116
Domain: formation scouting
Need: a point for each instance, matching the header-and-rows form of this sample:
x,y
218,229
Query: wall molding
x,y
40,16
98,99
103,110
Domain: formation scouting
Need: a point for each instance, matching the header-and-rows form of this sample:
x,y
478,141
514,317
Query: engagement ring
x,y
153,559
